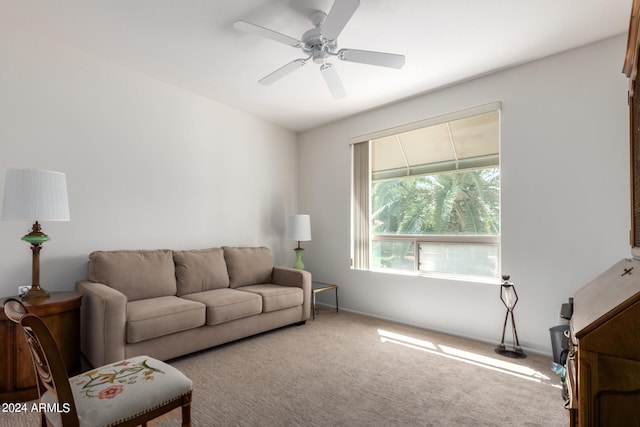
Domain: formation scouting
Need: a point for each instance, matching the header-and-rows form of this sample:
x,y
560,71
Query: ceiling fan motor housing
x,y
314,44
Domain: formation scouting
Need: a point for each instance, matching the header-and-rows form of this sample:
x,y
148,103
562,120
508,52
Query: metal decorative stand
x,y
509,298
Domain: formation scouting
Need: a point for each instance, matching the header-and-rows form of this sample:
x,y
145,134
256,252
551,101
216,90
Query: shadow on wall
x,y
56,273
274,229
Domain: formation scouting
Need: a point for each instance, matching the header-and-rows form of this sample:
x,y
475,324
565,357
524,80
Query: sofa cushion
x,y
155,317
276,297
137,274
248,265
200,270
224,305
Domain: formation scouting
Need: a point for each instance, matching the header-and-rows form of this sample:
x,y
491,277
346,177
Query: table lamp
x,y
299,228
35,195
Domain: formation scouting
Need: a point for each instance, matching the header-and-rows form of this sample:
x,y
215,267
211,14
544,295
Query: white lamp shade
x,y
299,228
35,195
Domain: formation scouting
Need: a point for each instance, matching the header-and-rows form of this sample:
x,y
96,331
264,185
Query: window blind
x,y
360,205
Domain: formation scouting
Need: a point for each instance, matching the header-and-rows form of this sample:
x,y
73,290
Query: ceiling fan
x,y
320,43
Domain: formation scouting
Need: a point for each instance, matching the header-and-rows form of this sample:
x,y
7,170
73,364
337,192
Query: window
x,y
426,197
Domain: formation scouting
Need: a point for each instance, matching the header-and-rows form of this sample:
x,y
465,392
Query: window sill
x,y
444,276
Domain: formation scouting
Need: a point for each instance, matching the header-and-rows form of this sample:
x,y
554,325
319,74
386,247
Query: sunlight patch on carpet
x,y
393,337
479,360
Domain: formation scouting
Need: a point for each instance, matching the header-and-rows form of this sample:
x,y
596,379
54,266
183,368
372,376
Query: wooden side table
x,y
317,287
61,313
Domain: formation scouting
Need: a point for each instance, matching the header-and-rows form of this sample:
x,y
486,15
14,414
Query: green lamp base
x,y
298,264
36,238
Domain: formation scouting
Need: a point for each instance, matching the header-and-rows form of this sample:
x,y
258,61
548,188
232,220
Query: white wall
x,y
565,196
148,165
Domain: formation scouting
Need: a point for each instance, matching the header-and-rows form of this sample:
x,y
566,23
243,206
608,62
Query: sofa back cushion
x,y
200,270
137,274
248,265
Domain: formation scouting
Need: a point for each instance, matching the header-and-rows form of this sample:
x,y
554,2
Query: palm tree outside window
x,y
432,193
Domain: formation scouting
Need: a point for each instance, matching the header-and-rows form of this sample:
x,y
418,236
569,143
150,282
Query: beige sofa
x,y
165,303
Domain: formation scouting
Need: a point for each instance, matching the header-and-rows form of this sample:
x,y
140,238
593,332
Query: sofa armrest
x,y
285,276
102,323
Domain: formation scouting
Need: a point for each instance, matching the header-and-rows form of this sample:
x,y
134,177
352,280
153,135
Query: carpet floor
x,y
344,369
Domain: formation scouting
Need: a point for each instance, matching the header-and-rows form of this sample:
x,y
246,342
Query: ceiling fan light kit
x,y
320,43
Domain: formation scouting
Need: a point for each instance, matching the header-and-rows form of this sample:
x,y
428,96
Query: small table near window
x,y
317,287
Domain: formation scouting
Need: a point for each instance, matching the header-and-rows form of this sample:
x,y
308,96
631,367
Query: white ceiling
x,y
192,44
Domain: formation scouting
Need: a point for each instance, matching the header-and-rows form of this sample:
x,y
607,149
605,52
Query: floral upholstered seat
x,y
115,393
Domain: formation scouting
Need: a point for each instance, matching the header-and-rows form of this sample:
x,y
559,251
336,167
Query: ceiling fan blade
x,y
333,81
267,33
340,13
282,71
373,58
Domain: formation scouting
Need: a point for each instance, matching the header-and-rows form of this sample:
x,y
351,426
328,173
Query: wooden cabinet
x,y
603,369
61,313
630,68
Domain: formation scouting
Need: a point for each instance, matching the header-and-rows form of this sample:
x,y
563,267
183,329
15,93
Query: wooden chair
x,y
126,393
